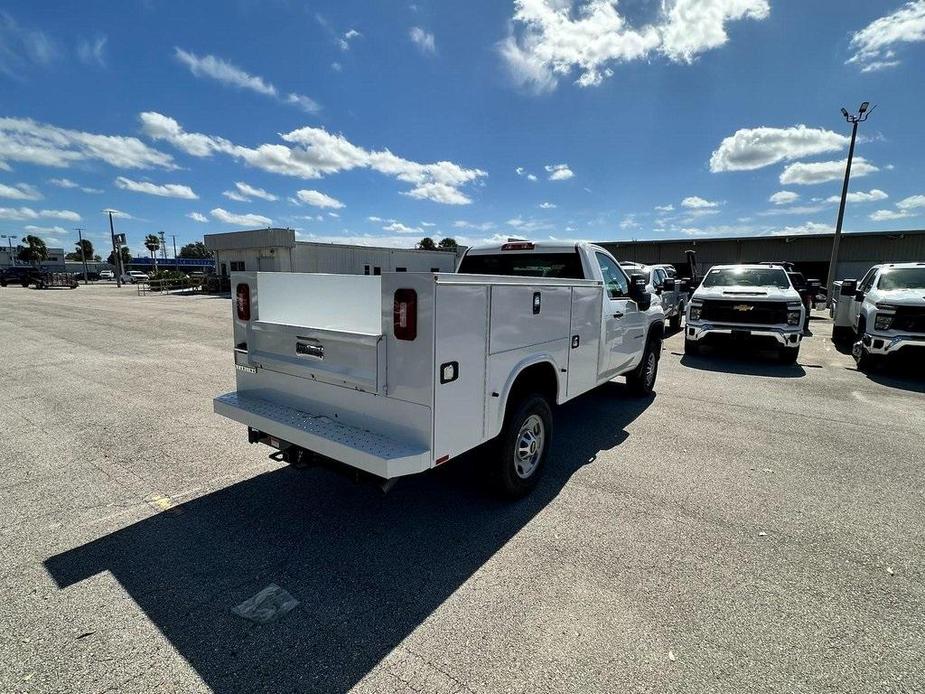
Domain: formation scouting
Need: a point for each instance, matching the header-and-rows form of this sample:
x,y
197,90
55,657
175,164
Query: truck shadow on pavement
x,y
367,569
750,364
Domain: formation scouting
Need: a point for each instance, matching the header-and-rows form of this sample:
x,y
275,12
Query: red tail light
x,y
518,246
243,301
405,314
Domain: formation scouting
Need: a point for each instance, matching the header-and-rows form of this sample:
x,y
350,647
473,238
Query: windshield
x,y
902,278
747,277
559,265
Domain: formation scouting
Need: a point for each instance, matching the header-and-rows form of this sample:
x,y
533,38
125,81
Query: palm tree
x,y
153,244
34,250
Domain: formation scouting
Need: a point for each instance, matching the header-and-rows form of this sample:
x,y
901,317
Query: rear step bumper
x,y
379,455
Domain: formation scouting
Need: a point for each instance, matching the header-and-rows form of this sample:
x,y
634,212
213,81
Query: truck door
x,y
622,323
863,286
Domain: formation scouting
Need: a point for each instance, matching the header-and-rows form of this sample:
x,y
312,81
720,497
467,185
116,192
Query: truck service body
x,y
398,373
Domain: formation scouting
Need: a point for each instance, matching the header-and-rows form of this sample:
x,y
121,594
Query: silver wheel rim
x,y
650,369
528,450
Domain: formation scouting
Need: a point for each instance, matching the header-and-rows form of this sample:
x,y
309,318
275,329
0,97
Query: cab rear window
x,y
558,265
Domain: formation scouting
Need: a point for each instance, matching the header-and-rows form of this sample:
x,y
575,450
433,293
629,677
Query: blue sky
x,y
384,122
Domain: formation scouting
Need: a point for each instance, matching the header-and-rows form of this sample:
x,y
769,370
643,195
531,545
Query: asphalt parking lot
x,y
752,528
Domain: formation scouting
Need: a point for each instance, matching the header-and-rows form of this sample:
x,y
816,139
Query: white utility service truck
x,y
398,373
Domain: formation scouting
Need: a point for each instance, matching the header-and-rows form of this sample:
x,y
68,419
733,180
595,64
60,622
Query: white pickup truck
x,y
755,303
399,373
884,312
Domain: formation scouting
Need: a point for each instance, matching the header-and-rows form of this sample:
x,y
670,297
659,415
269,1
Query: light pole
x,y
863,114
176,265
83,254
116,250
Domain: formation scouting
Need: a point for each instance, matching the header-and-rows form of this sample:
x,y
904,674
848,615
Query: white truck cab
x,y
399,373
886,312
755,303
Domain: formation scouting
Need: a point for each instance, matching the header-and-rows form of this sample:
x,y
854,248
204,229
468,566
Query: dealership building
x,y
53,261
811,253
276,250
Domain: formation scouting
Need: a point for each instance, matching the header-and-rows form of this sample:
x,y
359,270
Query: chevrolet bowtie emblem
x,y
742,307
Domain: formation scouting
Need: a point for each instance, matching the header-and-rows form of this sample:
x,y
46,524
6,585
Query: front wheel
x,y
788,355
641,380
863,358
524,444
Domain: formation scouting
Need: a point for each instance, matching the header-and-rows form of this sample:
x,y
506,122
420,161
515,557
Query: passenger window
x,y
614,280
659,277
867,280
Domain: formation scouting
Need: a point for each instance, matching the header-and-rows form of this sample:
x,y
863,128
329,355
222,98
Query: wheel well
x,y
657,331
538,378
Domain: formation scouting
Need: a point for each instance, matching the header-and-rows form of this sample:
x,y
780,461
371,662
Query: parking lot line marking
x,y
164,504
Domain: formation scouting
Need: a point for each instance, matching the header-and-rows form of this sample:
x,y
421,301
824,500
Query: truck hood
x,y
901,297
749,293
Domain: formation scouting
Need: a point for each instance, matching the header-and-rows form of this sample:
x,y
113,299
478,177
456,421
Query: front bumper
x,y
785,337
890,344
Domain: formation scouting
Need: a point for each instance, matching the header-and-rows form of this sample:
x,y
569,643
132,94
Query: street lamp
x,y
864,112
116,248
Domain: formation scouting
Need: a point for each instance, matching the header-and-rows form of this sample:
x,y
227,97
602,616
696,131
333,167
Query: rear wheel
x,y
524,444
641,380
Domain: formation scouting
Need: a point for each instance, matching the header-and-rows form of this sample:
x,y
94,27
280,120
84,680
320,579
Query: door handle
x,y
618,314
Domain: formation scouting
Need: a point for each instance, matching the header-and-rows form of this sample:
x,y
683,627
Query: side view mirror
x,y
848,287
859,295
638,292
669,285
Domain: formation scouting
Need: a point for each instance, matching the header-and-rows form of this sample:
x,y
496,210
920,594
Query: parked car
x,y
19,274
398,373
755,303
666,289
135,276
107,275
887,312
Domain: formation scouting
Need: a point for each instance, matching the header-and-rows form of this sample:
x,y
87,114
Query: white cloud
x,y
343,41
694,202
482,226
168,190
92,52
629,222
21,48
318,199
784,197
428,224
531,177
337,67
220,70
860,196
547,206
423,40
33,229
554,38
754,148
20,191
312,153
824,171
248,191
63,183
559,172
235,195
875,44
889,215
794,209
805,228
198,217
244,220
664,208
22,214
912,202
117,214
31,142
399,228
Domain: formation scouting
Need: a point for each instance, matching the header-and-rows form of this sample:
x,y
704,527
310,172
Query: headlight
x,y
695,312
883,321
793,317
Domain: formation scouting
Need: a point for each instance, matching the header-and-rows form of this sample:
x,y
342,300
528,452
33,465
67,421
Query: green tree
x,y
195,250
448,244
126,257
153,244
34,250
427,244
87,250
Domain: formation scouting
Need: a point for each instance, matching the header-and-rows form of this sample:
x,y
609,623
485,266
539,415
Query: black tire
x,y
691,347
25,283
641,380
2,283
842,334
675,321
788,355
865,361
518,468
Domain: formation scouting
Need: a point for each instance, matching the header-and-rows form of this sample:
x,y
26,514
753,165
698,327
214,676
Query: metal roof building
x,y
811,252
276,250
